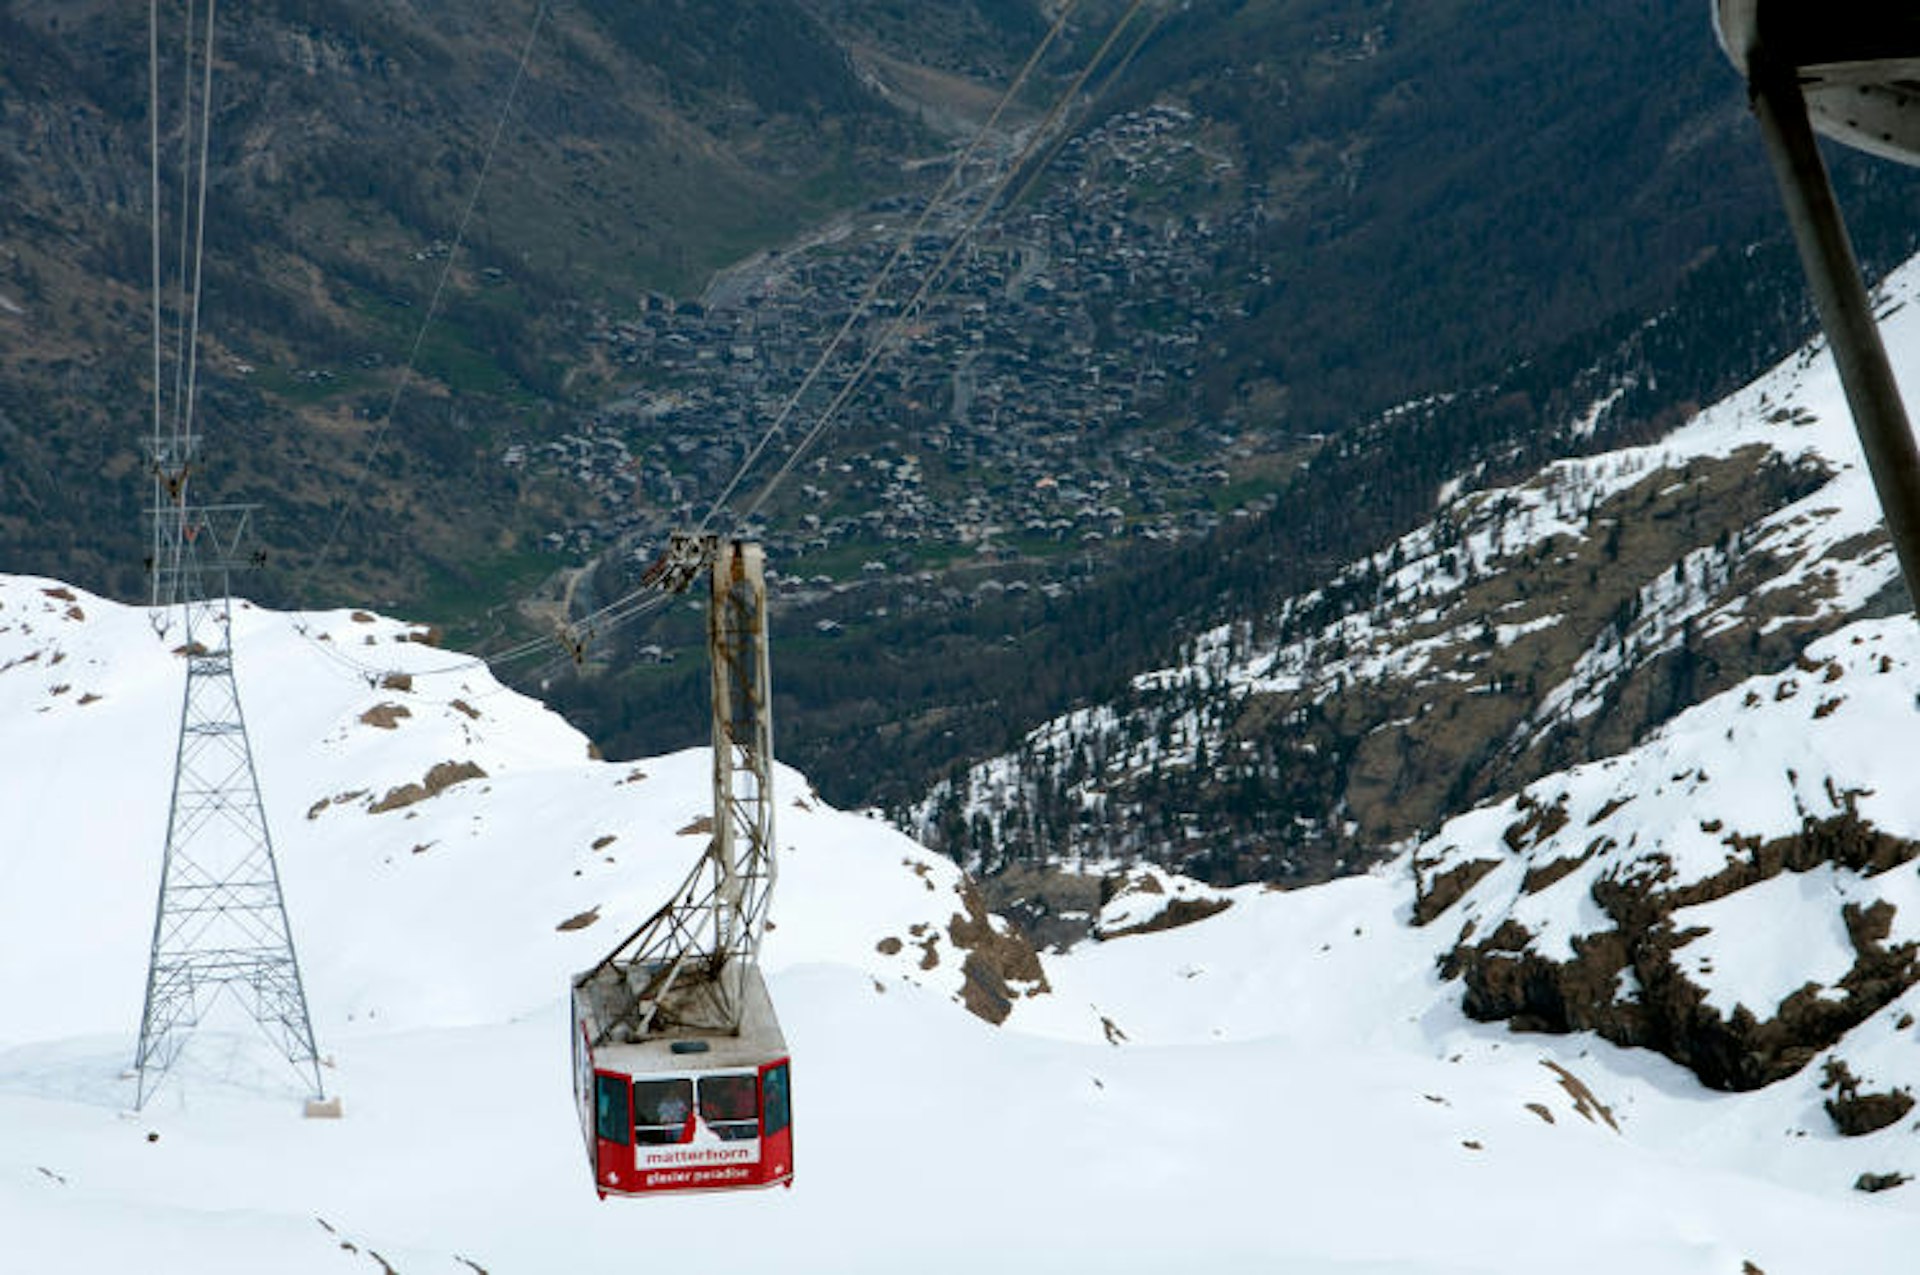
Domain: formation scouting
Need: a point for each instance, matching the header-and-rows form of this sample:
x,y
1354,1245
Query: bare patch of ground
x,y
997,963
438,780
1177,913
385,716
579,920
338,799
1584,1103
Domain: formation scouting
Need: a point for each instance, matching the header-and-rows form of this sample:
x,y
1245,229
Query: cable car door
x,y
613,1131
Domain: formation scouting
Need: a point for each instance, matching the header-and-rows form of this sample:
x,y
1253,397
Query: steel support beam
x,y
686,966
1826,254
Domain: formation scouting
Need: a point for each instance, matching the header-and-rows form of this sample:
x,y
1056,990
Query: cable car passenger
x,y
662,1111
730,1106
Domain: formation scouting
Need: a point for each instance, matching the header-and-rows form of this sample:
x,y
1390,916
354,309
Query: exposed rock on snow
x,y
1854,1113
1000,964
441,777
1145,899
1630,897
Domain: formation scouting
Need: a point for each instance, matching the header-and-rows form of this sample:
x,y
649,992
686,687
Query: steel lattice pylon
x,y
221,922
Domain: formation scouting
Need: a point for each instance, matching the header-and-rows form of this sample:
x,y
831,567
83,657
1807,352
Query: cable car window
x,y
776,1109
730,1105
660,1111
610,1109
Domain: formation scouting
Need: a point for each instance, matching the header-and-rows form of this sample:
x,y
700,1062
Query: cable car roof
x,y
1857,61
676,1050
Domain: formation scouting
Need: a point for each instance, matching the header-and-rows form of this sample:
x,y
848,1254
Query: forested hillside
x,y
1408,244
1527,627
1480,221
890,703
646,147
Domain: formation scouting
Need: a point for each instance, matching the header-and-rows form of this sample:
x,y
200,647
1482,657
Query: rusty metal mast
x,y
686,966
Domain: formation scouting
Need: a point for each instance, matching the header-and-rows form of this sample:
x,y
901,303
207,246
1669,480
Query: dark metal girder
x,y
1846,68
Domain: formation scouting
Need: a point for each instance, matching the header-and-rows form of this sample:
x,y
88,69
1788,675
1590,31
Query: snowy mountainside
x,y
355,722
1256,1089
1524,629
1739,892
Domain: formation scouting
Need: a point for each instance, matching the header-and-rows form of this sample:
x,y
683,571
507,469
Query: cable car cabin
x,y
682,1109
679,1067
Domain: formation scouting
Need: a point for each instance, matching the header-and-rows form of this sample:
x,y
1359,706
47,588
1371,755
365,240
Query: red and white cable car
x,y
680,1069
684,1110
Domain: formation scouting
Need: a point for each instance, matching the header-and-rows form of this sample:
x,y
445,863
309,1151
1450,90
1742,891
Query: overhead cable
x,y
439,288
901,248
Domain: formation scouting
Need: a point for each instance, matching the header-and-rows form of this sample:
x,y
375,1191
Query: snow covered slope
x,y
1739,892
1285,1084
522,866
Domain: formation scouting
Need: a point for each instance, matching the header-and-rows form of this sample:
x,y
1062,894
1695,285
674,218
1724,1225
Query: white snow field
x,y
1284,1087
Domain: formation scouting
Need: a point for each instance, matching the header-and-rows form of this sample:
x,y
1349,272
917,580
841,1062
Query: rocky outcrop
x,y
1434,895
1000,964
437,780
1177,913
1624,982
1055,907
1144,899
1855,1113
